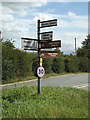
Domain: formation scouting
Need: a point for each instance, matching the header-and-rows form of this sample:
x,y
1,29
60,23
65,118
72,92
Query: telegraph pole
x,y
75,46
38,33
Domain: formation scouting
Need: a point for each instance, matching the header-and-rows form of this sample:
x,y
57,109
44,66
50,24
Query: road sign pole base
x,y
39,87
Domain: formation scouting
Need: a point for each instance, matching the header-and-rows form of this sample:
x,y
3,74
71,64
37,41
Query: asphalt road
x,y
79,81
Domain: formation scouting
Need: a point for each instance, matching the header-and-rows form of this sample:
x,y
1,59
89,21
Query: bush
x,y
58,65
83,64
7,70
35,61
71,64
15,63
47,62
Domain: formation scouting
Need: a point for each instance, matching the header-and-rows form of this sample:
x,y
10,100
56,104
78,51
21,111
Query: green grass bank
x,y
53,102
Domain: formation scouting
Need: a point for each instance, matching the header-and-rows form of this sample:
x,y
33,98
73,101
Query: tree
x,y
71,64
15,63
84,50
47,62
84,55
8,43
58,65
86,43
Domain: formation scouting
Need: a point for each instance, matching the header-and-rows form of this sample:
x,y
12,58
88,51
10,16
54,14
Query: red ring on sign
x,y
40,75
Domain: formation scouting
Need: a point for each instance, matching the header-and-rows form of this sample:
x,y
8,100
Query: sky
x,y
19,19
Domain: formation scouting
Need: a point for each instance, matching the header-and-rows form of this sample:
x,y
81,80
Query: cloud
x,y
71,14
81,23
45,1
20,20
71,20
68,41
50,11
68,0
0,17
32,3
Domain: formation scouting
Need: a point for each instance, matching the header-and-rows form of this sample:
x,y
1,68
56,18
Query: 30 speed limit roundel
x,y
40,71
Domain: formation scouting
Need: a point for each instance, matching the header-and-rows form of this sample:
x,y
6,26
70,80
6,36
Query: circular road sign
x,y
40,71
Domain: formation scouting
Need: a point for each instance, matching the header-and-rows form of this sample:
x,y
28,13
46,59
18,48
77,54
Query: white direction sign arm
x,y
47,35
29,44
49,23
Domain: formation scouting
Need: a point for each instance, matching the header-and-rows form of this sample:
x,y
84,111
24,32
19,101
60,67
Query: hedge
x,y
17,63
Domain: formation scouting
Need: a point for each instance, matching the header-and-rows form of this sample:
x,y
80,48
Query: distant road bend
x,y
79,81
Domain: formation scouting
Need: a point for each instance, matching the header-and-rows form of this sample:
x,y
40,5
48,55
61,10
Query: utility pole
x,y
75,46
38,33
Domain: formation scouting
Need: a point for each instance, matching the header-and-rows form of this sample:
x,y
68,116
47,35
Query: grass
x,y
53,102
31,77
19,79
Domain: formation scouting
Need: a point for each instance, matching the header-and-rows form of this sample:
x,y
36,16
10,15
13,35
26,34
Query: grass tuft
x,y
53,102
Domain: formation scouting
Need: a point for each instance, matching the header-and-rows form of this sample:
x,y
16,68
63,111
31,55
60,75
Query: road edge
x,y
36,79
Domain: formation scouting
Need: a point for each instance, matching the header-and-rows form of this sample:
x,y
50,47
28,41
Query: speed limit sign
x,y
40,71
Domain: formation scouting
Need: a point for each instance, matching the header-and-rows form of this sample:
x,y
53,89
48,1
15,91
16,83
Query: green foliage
x,y
67,60
58,65
8,44
84,55
86,43
53,102
71,64
47,62
7,70
83,64
35,61
17,63
82,52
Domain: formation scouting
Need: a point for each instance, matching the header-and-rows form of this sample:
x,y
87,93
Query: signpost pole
x,y
38,33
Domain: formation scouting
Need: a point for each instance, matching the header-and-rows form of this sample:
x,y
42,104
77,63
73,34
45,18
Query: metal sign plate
x,y
47,50
29,44
49,54
51,44
40,71
47,35
49,23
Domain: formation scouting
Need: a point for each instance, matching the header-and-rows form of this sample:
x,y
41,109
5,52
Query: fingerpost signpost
x,y
43,41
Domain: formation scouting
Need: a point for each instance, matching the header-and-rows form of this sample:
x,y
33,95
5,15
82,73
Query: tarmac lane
x,y
79,81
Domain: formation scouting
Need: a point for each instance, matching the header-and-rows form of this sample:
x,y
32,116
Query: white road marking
x,y
81,86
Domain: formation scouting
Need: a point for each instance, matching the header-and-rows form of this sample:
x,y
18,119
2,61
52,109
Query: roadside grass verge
x,y
31,77
53,102
19,79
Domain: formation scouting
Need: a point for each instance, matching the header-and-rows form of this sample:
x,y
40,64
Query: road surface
x,y
74,80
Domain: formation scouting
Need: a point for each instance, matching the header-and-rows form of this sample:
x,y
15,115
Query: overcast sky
x,y
19,19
